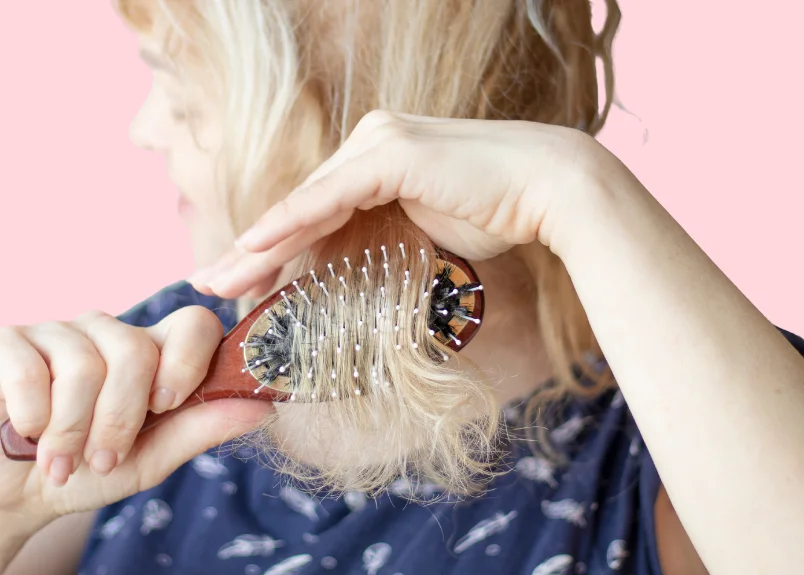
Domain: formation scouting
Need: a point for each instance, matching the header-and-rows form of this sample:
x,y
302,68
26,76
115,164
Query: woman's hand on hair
x,y
476,187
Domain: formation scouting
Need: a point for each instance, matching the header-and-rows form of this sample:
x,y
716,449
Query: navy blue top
x,y
224,513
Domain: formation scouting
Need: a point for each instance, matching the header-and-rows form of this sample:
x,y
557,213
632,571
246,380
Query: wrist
x,y
600,185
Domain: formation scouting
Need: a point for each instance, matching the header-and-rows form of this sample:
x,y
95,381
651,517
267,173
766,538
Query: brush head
x,y
328,334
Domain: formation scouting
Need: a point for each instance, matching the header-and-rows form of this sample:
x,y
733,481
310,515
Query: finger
x,y
119,411
186,340
201,277
78,373
162,449
255,268
370,179
24,383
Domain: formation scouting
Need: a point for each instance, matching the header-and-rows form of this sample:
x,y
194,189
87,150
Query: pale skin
x,y
706,363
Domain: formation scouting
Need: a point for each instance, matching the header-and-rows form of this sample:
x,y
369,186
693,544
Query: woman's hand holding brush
x,y
84,388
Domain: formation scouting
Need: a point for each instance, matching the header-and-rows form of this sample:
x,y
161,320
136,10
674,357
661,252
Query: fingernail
x,y
60,469
162,399
103,461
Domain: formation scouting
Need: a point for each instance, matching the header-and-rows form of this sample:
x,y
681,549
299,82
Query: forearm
x,y
717,392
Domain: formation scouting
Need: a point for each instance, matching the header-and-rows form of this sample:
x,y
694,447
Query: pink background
x,y
88,221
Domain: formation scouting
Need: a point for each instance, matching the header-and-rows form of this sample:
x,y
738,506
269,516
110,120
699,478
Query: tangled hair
x,y
293,78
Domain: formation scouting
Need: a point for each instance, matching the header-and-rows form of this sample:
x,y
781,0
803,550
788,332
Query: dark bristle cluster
x,y
274,347
446,305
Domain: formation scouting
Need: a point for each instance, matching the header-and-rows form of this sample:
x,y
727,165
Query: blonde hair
x,y
296,77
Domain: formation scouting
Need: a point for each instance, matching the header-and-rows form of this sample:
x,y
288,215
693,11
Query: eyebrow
x,y
155,61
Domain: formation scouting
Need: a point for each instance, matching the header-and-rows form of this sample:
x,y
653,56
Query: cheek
x,y
193,172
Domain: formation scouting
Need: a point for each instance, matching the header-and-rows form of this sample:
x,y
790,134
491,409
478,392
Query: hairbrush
x,y
326,335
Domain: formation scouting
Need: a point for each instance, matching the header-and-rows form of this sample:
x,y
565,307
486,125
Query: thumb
x,y
159,451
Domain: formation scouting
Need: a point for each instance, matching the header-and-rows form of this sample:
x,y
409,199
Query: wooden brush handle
x,y
225,380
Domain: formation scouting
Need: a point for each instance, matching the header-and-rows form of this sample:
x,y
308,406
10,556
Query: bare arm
x,y
716,390
56,549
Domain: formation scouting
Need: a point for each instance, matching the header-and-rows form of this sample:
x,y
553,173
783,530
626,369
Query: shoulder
x,y
173,297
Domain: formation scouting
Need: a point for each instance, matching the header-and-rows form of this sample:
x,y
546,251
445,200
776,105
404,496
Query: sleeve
x,y
173,297
649,481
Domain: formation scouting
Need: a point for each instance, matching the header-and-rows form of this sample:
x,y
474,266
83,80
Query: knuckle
x,y
374,119
116,427
202,321
183,369
92,316
85,366
135,350
23,374
70,434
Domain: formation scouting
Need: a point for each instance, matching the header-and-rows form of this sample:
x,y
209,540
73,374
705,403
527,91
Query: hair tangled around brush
x,y
416,415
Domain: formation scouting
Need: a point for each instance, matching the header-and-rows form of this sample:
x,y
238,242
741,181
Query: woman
x,y
248,101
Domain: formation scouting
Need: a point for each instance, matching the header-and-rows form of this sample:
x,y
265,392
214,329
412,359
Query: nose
x,y
145,130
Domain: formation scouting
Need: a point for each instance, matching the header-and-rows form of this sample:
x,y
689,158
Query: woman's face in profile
x,y
178,121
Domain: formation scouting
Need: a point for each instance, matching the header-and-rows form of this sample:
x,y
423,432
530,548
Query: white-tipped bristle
x,y
315,351
357,392
312,395
402,249
384,253
346,261
334,394
444,356
421,251
339,349
415,310
478,288
244,370
365,274
368,256
424,296
443,312
242,344
331,270
304,295
432,332
453,292
398,307
435,282
315,279
385,265
354,373
333,374
415,345
455,339
398,346
343,282
324,287
357,345
292,397
310,374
